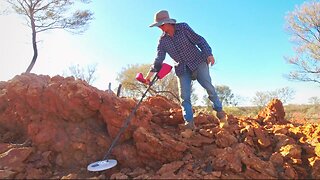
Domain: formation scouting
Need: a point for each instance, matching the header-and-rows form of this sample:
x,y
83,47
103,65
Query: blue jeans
x,y
204,79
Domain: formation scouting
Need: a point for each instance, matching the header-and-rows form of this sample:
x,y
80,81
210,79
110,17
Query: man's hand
x,y
148,77
147,82
210,60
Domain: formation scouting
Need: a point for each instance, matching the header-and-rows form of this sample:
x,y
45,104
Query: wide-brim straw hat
x,y
162,17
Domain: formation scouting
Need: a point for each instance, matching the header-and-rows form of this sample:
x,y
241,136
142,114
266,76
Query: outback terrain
x,y
54,127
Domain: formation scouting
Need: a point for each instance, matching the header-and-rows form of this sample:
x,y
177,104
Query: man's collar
x,y
177,28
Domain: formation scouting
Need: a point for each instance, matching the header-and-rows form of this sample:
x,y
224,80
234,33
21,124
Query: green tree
x,y
304,26
284,94
168,86
314,101
130,86
225,95
262,98
44,15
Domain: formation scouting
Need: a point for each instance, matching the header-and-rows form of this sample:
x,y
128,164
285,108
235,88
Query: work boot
x,y
223,119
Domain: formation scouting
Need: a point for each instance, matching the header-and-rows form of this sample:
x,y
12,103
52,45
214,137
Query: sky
x,y
248,38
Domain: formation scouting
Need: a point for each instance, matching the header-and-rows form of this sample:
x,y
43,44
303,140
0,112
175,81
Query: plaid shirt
x,y
186,48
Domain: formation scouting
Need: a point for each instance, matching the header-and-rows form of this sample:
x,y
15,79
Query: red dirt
x,y
54,127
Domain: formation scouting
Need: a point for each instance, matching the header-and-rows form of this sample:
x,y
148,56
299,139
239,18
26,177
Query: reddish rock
x,y
277,159
127,155
213,175
262,137
280,129
252,174
291,150
116,113
153,149
70,176
225,139
227,159
173,118
5,147
273,113
169,141
52,128
317,149
315,167
14,159
248,158
199,140
160,103
248,129
137,172
283,140
170,168
119,176
7,174
201,118
206,133
33,173
249,140
289,172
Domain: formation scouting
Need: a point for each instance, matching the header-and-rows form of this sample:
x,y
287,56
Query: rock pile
x,y
54,127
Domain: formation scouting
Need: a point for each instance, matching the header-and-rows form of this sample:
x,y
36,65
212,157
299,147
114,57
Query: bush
x,y
302,113
241,111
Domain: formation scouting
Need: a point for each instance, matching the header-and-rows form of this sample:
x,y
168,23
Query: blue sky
x,y
248,39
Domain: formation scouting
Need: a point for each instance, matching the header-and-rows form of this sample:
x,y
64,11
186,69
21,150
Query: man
x,y
192,54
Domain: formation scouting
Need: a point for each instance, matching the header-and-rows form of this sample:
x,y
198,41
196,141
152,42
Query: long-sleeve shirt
x,y
186,48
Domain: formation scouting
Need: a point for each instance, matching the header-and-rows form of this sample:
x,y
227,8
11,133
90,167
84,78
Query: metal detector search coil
x,y
102,165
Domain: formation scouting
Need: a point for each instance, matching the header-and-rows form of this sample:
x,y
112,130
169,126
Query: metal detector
x,y
110,163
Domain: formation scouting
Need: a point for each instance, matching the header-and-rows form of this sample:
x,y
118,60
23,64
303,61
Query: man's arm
x,y
201,43
197,40
161,55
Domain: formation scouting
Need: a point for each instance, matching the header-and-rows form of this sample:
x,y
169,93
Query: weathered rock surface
x,y
54,127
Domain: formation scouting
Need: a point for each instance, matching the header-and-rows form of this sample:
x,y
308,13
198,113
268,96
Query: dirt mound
x,y
54,127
